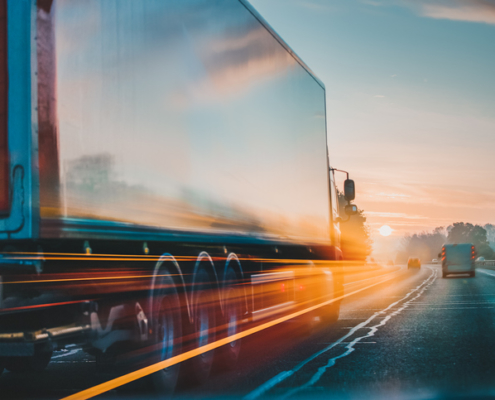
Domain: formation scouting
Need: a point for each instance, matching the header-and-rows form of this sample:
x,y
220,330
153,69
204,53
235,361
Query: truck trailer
x,y
164,182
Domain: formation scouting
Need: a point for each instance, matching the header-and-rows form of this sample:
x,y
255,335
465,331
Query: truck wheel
x,y
36,363
204,310
444,274
228,355
167,332
2,365
473,274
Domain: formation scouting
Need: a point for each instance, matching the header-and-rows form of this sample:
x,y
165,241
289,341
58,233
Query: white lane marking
x,y
67,354
373,329
486,272
265,387
351,342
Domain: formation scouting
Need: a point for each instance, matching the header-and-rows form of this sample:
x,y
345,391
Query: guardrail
x,y
486,263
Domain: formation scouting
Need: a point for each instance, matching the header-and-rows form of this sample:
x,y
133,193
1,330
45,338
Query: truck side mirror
x,y
349,190
351,209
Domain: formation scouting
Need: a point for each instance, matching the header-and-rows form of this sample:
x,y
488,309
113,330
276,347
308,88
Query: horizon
x,y
410,100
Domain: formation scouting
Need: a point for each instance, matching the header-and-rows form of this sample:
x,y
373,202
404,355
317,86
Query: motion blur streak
x,y
43,305
87,279
112,257
140,373
138,257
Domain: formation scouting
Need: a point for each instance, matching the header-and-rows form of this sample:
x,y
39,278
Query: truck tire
x,y
36,363
204,314
228,355
167,332
2,365
473,274
444,274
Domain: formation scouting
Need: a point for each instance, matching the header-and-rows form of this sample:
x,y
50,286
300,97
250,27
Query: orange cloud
x,y
461,10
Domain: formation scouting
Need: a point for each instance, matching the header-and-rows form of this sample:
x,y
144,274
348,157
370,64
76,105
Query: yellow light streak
x,y
140,373
86,279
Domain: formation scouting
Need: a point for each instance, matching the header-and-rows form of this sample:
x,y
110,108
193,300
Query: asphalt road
x,y
411,335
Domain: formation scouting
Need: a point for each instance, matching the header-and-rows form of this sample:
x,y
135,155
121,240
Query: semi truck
x,y
164,182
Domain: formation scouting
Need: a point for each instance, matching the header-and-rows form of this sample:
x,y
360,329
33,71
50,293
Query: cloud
x,y
460,10
393,195
482,11
317,5
378,214
373,3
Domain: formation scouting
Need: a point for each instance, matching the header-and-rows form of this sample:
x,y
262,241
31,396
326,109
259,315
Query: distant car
x,y
480,259
413,262
458,259
434,261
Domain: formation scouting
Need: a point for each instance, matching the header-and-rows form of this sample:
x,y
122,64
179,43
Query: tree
x,y
425,245
355,234
461,232
428,245
490,234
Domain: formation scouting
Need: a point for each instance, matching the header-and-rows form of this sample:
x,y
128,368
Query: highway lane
x,y
416,335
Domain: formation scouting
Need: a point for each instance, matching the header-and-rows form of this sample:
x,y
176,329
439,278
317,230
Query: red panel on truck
x,y
4,151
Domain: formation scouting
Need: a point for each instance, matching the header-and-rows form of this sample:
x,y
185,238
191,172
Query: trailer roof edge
x,y
258,16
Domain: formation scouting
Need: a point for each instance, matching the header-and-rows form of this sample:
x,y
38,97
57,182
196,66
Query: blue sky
x,y
410,102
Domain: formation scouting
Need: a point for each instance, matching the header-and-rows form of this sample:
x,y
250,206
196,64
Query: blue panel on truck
x,y
22,139
189,117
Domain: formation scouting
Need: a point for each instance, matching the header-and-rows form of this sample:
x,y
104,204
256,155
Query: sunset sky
x,y
410,103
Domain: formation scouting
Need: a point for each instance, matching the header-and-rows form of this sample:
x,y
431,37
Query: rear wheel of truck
x,y
228,355
167,332
36,363
204,312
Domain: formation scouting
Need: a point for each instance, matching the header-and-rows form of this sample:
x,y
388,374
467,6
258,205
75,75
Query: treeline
x,y
428,245
355,234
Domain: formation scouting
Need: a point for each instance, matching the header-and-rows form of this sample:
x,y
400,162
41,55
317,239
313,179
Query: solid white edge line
x,y
285,374
132,376
485,271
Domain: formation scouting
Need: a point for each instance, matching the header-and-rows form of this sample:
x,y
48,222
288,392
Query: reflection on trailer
x,y
164,182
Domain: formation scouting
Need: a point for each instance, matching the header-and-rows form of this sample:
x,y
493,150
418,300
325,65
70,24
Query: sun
x,y
385,230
